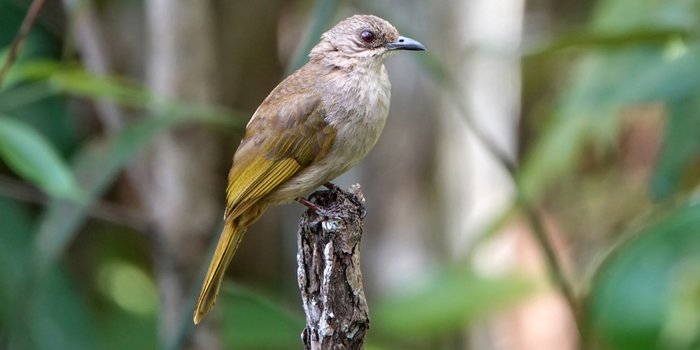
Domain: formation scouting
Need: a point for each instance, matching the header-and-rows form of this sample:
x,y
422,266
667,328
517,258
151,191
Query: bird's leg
x,y
331,186
321,213
309,204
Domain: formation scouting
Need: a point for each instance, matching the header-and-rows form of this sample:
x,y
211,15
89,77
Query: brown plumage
x,y
314,126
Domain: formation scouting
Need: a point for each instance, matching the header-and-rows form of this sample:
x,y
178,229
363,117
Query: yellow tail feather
x,y
228,243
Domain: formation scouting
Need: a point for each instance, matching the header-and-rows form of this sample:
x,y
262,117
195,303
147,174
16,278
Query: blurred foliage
x,y
647,294
256,322
662,68
446,304
644,295
619,96
30,155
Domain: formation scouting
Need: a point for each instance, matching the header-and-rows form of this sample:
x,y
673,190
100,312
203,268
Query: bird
x,y
314,126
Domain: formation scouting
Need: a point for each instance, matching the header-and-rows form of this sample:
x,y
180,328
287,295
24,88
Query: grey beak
x,y
404,43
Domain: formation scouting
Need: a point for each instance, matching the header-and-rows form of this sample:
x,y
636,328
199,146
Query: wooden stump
x,y
328,271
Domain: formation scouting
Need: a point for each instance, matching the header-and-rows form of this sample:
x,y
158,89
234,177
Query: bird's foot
x,y
331,186
309,204
321,213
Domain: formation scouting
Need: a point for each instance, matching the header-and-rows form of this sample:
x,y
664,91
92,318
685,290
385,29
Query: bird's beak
x,y
404,43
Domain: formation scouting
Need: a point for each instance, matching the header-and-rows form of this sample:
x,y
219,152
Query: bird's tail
x,y
228,243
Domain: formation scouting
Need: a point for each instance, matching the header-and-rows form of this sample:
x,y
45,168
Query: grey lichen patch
x,y
332,225
324,328
356,190
354,275
351,332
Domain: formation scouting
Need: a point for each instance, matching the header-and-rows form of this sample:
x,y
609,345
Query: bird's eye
x,y
367,36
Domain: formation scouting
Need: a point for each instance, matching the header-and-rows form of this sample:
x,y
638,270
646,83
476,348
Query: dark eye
x,y
367,36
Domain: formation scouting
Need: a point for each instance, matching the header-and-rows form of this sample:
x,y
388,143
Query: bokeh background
x,y
536,185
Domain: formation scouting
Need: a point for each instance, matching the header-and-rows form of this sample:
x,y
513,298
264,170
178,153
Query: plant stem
x,y
553,262
533,219
27,23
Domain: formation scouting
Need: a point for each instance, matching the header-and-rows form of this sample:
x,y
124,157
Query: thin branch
x,y
553,262
538,231
23,32
89,39
529,210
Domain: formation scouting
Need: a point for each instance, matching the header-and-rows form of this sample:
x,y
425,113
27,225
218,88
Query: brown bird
x,y
314,126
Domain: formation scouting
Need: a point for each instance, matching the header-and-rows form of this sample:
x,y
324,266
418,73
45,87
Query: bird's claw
x,y
309,204
331,186
321,213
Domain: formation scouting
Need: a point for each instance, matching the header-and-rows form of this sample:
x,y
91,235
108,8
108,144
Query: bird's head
x,y
362,40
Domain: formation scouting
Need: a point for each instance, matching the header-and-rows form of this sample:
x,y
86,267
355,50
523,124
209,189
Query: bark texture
x,y
330,280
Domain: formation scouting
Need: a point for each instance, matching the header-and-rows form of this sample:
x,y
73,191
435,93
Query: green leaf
x,y
120,330
446,304
606,80
44,109
553,154
681,149
31,156
25,95
601,40
632,15
32,48
69,78
254,322
672,77
589,112
59,318
96,166
86,84
8,79
15,250
647,294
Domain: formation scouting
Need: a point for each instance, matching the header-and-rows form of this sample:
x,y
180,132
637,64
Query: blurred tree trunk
x,y
90,41
476,187
250,68
180,187
177,179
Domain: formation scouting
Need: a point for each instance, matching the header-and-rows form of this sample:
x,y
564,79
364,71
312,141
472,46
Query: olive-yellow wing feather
x,y
275,147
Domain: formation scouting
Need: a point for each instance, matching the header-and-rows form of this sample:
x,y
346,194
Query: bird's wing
x,y
285,135
281,139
